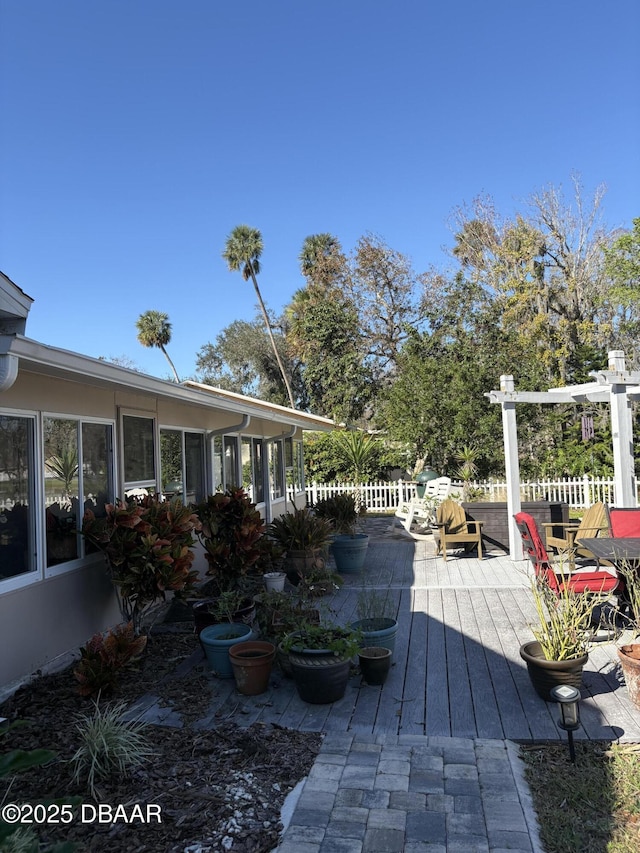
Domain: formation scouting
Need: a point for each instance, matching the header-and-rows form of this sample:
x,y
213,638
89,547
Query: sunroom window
x,y
78,475
138,448
182,465
17,487
252,469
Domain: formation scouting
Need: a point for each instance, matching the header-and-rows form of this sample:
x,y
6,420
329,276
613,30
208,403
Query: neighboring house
x,y
77,432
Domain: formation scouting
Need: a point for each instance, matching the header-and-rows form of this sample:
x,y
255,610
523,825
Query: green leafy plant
x,y
110,744
300,530
342,642
232,532
279,613
226,604
103,656
340,510
16,838
148,544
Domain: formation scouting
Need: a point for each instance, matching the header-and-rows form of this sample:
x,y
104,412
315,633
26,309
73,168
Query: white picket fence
x,y
577,492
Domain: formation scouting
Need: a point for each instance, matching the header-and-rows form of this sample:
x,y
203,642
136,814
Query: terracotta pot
x,y
630,662
251,663
547,674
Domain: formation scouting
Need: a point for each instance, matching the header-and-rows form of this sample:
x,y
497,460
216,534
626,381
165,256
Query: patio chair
x,y
624,521
417,516
455,529
594,523
580,582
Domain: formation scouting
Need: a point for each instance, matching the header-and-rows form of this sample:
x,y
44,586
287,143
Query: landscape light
x,y
568,697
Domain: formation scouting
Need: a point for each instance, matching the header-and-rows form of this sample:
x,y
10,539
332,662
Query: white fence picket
x,y
386,496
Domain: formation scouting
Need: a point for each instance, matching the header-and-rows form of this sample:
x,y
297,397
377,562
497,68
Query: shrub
x,y
109,745
103,656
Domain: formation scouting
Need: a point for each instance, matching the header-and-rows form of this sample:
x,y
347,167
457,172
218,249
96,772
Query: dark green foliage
x,y
340,510
232,531
326,462
300,530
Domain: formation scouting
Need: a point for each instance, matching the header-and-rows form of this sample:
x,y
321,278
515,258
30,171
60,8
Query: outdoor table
x,y
617,550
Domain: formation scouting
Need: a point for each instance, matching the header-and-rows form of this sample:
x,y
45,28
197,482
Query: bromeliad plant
x,y
148,544
340,510
300,530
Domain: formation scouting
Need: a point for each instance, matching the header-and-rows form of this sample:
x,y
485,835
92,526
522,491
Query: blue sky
x,y
138,133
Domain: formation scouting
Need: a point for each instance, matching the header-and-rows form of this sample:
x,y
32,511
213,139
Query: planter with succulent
x,y
305,538
148,545
629,651
348,547
376,621
320,658
562,636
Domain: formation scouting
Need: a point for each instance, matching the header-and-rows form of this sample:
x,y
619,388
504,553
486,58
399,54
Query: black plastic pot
x,y
375,663
547,674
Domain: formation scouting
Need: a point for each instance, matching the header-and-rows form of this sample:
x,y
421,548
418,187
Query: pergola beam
x,y
615,386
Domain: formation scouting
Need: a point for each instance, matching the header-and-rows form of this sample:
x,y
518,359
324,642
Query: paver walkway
x,y
385,794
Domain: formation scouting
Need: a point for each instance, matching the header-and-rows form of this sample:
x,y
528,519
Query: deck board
x,y
457,668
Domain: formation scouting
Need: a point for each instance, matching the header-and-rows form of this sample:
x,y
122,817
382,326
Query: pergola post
x,y
624,485
512,466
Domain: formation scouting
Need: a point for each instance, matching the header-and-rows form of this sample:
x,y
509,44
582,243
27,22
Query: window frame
x,y
83,559
204,467
35,489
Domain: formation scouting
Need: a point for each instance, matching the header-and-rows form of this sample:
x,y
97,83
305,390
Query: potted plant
x,y
629,651
349,548
232,605
231,533
279,614
148,545
304,536
320,657
376,618
561,646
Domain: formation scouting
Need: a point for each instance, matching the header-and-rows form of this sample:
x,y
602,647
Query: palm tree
x,y
154,330
242,252
321,259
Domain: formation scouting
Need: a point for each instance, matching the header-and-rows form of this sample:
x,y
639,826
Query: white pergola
x,y
616,386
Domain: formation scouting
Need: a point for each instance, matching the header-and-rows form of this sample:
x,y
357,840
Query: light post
x,y
568,697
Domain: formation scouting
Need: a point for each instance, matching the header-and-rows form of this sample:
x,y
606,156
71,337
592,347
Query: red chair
x,y
624,521
578,582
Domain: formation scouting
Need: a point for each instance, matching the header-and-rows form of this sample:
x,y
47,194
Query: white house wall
x,y
45,618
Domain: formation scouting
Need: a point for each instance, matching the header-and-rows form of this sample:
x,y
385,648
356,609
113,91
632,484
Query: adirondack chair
x,y
417,515
594,523
455,529
579,582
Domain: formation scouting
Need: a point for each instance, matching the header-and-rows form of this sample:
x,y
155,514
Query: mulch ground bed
x,y
217,789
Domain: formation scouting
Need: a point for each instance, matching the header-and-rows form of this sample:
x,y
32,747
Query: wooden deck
x,y
457,669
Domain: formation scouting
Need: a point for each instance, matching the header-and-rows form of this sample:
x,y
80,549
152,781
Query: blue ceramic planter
x,y
349,552
217,640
